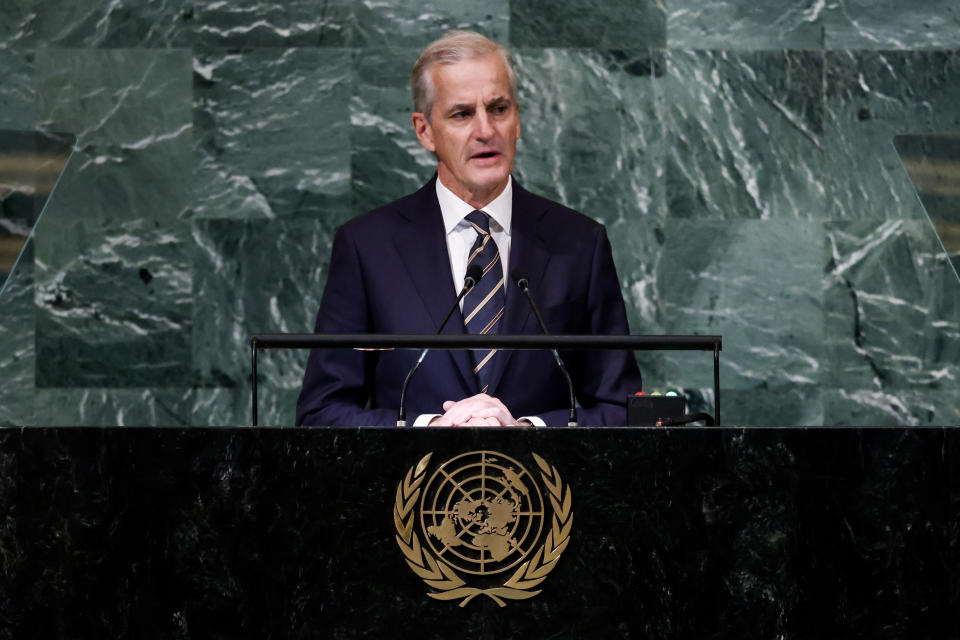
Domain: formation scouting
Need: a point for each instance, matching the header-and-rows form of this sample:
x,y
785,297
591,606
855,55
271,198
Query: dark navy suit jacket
x,y
390,273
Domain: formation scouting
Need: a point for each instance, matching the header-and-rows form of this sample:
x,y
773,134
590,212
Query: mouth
x,y
485,155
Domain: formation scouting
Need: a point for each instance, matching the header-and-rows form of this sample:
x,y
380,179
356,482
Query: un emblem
x,y
480,517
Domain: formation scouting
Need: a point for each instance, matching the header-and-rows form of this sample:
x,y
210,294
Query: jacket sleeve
x,y
603,379
338,383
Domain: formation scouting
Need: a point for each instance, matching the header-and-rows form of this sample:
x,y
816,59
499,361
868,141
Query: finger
x,y
464,410
482,422
492,412
442,421
455,413
479,405
506,416
458,415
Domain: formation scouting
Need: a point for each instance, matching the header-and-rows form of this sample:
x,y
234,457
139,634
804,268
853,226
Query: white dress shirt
x,y
461,237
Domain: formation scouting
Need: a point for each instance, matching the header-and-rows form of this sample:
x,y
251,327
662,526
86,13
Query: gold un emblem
x,y
476,527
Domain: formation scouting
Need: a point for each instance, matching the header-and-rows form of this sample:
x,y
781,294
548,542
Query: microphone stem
x,y
402,411
402,417
572,419
456,304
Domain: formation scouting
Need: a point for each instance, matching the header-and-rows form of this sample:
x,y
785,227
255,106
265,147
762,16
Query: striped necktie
x,y
483,305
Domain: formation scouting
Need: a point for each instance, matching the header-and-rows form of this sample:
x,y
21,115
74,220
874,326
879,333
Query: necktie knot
x,y
480,221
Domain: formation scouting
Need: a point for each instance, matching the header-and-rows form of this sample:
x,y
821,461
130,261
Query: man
x,y
398,269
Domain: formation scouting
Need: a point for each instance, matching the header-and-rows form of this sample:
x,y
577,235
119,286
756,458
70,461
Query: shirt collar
x,y
454,210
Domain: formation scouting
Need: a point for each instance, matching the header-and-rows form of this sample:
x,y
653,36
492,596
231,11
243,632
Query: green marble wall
x,y
740,154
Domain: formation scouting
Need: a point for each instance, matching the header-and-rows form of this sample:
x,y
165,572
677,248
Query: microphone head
x,y
474,273
520,278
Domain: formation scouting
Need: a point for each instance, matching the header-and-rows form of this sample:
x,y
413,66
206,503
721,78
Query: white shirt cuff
x,y
537,422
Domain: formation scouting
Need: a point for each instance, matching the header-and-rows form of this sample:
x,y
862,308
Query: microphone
x,y
474,273
524,285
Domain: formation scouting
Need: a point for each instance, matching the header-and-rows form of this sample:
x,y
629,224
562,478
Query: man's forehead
x,y
484,78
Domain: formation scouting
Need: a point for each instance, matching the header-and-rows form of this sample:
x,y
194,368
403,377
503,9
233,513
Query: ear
x,y
421,126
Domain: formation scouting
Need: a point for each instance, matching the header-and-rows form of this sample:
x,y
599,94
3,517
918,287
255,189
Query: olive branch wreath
x,y
444,579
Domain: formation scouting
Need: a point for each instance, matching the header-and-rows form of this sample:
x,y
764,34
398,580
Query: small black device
x,y
652,411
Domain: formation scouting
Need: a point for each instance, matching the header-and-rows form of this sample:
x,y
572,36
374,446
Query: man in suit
x,y
397,269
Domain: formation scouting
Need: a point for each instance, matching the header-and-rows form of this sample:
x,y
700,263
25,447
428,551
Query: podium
x,y
676,532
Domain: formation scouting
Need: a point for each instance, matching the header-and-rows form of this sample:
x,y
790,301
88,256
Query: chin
x,y
491,179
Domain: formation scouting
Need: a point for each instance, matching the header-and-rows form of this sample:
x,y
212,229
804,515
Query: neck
x,y
476,199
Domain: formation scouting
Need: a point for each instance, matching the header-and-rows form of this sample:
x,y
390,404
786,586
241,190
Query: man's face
x,y
473,127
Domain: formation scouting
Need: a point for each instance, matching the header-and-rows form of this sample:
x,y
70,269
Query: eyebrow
x,y
466,106
469,106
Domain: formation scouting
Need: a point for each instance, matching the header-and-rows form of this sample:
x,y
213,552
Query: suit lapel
x,y
529,255
421,242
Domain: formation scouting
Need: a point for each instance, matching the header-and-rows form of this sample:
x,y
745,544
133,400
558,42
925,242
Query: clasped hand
x,y
480,410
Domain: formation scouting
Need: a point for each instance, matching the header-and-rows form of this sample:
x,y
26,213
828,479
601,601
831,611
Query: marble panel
x,y
276,401
591,132
116,99
386,160
772,406
257,277
161,407
870,98
17,94
891,302
272,133
593,139
729,279
110,407
110,184
920,407
113,304
416,24
266,23
18,27
630,24
745,24
746,134
889,24
115,24
17,355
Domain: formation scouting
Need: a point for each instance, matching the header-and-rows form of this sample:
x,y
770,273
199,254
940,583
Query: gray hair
x,y
453,47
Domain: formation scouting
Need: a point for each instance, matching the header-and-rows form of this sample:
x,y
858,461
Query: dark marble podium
x,y
289,533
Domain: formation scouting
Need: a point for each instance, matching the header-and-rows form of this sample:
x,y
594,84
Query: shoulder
x,y
394,213
548,214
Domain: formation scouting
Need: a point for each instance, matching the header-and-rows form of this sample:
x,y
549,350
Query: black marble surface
x,y
288,533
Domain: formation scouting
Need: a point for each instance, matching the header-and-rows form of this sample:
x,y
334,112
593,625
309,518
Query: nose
x,y
483,126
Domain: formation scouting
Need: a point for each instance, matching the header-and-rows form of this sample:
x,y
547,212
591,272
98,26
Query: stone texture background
x,y
740,154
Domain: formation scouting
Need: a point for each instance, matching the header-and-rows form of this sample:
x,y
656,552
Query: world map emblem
x,y
479,524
